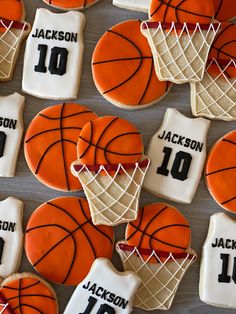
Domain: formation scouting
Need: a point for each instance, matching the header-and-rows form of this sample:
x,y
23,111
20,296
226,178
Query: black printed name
x,y
8,123
224,243
55,35
7,226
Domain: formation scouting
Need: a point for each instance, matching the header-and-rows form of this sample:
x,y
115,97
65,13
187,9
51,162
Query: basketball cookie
x,y
123,68
133,5
12,10
157,248
215,96
225,10
67,241
70,4
26,293
50,144
220,172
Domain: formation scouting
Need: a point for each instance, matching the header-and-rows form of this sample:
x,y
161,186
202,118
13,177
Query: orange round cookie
x,y
61,241
225,10
50,144
220,172
12,10
181,11
123,68
27,293
109,140
70,4
159,227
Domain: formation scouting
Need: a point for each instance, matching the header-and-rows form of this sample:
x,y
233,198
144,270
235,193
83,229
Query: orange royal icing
x,y
109,140
67,241
225,10
123,67
220,171
70,4
12,10
50,144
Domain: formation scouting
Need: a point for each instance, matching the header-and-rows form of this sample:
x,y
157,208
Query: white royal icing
x,y
11,130
53,55
177,152
11,235
104,290
133,5
218,265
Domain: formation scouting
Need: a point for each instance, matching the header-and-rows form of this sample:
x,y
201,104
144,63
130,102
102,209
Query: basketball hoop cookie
x,y
111,168
53,55
50,144
225,10
104,290
157,249
180,35
133,5
26,293
123,68
220,174
67,241
215,96
70,4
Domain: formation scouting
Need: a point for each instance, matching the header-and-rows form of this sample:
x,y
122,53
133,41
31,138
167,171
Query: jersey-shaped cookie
x,y
53,56
11,235
218,265
177,153
104,291
133,5
11,129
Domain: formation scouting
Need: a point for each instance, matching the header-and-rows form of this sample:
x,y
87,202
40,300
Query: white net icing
x,y
113,196
160,277
215,96
180,54
10,39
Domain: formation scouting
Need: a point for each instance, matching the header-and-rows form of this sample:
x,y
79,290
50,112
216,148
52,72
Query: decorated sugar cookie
x,y
111,168
180,34
215,96
104,290
50,144
67,241
123,68
53,56
26,293
12,10
177,152
220,174
70,4
11,130
157,248
11,235
218,264
133,5
225,10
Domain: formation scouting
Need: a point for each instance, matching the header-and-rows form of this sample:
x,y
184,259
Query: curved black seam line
x,y
229,200
123,59
155,11
88,142
24,288
63,148
32,295
220,34
166,10
64,211
177,9
220,170
223,52
52,130
65,117
147,85
46,226
138,226
19,295
228,141
46,151
218,10
27,305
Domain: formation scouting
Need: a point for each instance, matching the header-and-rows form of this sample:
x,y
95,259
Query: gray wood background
x,y
25,186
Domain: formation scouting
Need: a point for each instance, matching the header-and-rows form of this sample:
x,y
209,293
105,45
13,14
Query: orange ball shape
x,y
109,140
12,10
225,10
70,4
123,68
220,172
159,227
61,241
181,11
50,144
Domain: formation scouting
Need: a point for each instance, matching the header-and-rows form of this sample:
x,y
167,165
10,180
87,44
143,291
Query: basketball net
x,y
11,34
112,190
180,51
215,96
160,273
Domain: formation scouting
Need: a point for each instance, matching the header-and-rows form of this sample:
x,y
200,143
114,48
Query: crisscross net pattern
x,y
11,34
215,96
113,195
160,272
180,51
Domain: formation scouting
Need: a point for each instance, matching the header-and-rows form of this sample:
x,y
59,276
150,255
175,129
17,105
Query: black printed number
x,y
104,308
57,61
224,277
180,167
2,143
2,242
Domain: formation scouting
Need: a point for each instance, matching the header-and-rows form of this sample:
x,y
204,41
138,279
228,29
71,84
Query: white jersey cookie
x,y
133,5
218,265
11,235
11,130
177,152
104,290
53,55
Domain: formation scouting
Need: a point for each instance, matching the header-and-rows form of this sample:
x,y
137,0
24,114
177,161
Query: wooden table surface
x,y
25,186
